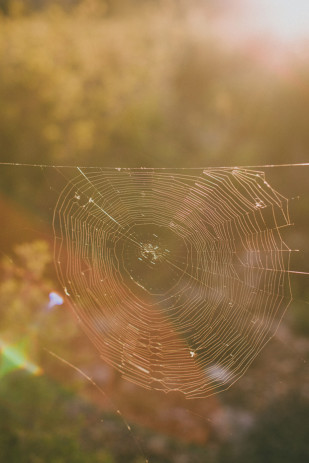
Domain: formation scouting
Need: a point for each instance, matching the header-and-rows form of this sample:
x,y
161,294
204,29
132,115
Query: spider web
x,y
178,277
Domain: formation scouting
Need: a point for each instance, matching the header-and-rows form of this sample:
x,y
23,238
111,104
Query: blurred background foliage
x,y
138,84
89,86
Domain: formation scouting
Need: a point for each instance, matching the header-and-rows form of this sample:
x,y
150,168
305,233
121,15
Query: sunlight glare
x,y
286,20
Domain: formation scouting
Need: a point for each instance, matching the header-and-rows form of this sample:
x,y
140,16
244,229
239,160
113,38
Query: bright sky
x,y
273,30
286,20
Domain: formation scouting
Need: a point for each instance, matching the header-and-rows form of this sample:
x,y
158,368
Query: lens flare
x,y
14,357
54,299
